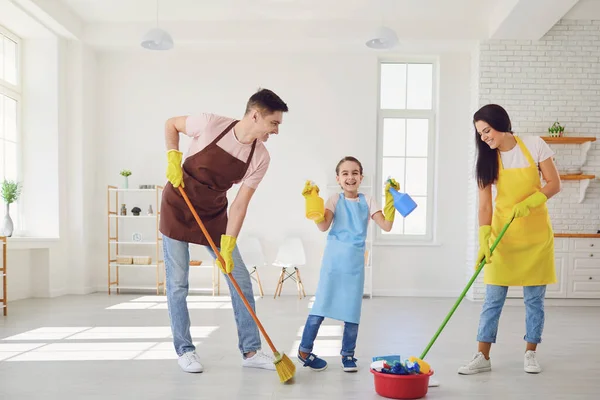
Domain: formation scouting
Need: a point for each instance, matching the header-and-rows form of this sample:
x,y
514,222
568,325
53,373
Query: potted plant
x,y
10,193
556,130
126,173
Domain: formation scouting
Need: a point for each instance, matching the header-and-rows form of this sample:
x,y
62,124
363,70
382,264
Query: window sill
x,y
24,243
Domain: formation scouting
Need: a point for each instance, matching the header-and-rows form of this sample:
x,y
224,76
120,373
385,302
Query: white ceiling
x,y
307,24
252,10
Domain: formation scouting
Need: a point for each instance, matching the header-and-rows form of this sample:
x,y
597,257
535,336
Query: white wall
x,y
332,100
539,82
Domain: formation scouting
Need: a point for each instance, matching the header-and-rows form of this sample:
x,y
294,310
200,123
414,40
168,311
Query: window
x,y
406,127
10,98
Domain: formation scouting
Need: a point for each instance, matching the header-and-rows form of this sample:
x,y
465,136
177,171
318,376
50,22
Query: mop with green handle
x,y
462,295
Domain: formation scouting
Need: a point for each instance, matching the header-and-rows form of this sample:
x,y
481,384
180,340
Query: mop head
x,y
285,367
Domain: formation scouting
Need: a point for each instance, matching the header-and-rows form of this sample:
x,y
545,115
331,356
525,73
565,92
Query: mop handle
x,y
466,289
222,261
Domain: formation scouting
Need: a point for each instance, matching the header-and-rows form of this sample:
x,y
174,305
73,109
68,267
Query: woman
x,y
525,255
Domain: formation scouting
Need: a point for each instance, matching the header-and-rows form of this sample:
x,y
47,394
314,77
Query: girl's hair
x,y
487,158
348,158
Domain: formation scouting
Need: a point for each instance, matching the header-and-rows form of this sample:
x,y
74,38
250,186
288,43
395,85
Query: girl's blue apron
x,y
342,280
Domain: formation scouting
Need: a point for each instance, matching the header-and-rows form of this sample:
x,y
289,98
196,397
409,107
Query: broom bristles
x,y
285,367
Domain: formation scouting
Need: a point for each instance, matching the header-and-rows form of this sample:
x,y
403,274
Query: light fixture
x,y
384,38
156,38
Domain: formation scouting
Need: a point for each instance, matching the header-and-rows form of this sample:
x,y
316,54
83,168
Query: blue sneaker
x,y
313,362
349,364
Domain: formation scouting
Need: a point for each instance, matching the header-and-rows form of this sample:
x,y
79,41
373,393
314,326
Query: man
x,y
223,152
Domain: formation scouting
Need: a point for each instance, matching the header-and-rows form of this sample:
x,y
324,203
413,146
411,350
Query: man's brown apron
x,y
207,175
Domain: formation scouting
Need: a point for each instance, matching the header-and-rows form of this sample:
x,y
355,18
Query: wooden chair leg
x,y
283,272
279,283
300,281
260,288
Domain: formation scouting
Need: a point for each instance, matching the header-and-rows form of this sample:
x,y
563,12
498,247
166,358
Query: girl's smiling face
x,y
349,176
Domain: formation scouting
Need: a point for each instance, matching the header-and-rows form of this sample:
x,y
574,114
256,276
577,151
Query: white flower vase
x,y
126,183
7,224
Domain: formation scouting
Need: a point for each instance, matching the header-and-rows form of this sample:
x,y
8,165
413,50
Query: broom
x,y
464,292
284,366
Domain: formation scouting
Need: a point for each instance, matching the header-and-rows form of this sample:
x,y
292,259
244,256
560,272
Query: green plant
x,y
556,129
126,172
10,191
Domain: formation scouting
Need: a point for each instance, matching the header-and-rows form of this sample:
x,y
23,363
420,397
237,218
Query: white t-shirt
x,y
538,148
333,200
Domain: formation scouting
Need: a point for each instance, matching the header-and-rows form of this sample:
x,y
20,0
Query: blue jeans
x,y
492,308
311,329
177,265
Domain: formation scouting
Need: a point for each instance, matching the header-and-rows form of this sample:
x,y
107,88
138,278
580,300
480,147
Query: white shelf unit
x,y
4,299
115,245
366,187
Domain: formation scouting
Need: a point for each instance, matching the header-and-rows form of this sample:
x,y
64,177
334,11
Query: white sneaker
x,y
476,365
531,364
190,362
259,360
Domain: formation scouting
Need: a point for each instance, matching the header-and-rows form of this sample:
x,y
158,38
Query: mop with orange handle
x,y
284,366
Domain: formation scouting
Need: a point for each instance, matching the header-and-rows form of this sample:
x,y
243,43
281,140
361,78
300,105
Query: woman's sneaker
x,y
313,362
349,364
476,365
531,364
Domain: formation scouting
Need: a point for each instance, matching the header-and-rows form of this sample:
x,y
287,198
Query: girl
x,y
340,290
525,255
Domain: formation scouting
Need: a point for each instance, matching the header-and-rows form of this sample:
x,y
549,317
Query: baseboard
x,y
416,293
58,292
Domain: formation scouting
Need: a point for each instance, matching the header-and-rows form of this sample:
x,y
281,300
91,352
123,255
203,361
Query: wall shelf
x,y
568,139
586,144
579,177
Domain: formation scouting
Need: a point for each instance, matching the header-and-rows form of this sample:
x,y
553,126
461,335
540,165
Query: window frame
x,y
431,115
15,92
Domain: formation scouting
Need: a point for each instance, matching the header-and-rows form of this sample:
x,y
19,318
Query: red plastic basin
x,y
401,386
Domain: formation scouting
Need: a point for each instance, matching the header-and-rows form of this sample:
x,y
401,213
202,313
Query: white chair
x,y
290,255
253,256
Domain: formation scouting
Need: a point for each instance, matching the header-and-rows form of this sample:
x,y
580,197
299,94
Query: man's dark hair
x,y
266,101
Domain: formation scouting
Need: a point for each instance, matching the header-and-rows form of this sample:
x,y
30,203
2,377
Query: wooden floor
x,y
119,347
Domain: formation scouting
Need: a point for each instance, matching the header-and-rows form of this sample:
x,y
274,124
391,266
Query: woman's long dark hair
x,y
487,159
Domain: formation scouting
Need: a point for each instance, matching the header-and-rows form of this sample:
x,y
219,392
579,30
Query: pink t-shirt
x,y
204,128
334,198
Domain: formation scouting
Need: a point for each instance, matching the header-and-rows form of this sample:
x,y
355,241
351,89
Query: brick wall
x,y
538,82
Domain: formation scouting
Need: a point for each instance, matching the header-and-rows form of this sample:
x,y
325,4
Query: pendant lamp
x,y
156,38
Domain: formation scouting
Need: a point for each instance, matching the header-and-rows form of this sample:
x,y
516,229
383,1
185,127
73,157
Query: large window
x,y
10,97
406,127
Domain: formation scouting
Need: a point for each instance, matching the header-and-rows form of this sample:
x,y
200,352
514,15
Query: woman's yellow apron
x,y
525,255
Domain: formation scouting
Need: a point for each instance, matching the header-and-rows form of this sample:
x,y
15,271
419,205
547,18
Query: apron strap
x,y
525,152
214,142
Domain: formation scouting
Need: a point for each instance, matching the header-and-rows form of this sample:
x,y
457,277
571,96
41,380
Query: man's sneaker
x,y
476,365
313,362
531,364
349,364
259,360
190,362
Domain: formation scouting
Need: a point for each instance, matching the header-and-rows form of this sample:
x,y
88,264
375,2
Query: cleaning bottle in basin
x,y
315,206
403,202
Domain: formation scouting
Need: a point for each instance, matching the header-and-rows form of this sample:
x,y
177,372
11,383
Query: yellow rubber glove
x,y
535,200
389,211
485,231
174,171
313,206
227,247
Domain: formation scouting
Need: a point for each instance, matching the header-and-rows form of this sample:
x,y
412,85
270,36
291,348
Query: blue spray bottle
x,y
402,202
